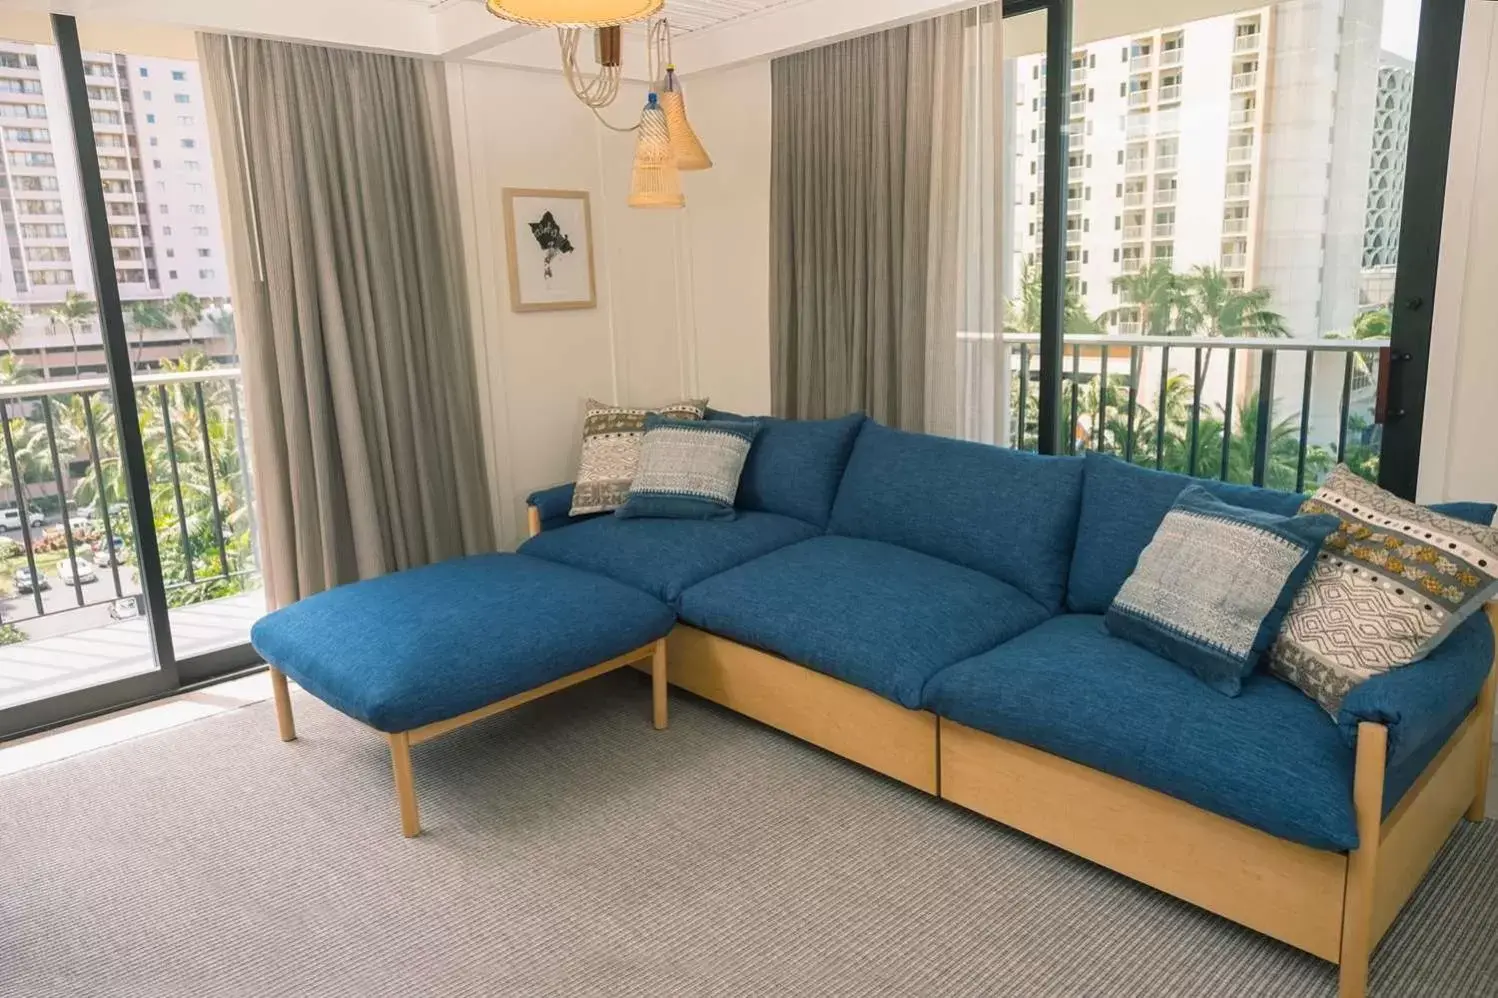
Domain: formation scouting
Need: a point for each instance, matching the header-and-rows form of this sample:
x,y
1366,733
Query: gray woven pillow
x,y
611,451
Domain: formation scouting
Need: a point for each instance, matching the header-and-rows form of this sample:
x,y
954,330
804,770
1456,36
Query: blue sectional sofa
x,y
932,609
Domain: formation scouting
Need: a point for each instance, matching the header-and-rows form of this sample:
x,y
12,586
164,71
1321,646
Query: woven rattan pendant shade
x,y
656,182
690,155
574,13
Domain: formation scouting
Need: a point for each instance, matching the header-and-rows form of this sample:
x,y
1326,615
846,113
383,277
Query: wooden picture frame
x,y
550,268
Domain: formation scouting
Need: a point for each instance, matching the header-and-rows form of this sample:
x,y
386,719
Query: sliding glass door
x,y
1221,267
126,543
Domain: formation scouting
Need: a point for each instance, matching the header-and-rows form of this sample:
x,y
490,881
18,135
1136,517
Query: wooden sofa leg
x,y
1362,864
658,684
405,788
284,721
1478,810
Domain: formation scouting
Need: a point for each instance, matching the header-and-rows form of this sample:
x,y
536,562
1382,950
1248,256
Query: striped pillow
x,y
689,470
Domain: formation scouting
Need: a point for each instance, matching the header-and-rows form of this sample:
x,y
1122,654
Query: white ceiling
x,y
686,16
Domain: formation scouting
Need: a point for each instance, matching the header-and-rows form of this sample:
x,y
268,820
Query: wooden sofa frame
x,y
1334,905
401,741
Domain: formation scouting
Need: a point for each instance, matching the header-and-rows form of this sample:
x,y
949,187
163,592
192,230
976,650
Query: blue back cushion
x,y
795,465
1007,514
1123,504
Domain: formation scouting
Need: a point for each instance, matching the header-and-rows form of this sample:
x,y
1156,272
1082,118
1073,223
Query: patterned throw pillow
x,y
1391,584
1210,590
611,448
689,470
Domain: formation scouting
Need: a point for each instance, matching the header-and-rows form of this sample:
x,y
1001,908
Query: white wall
x,y
682,295
1459,458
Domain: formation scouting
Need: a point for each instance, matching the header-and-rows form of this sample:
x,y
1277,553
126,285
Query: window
x,y
49,254
123,232
179,75
206,275
31,159
166,230
171,275
15,60
186,120
153,140
37,231
191,165
200,230
163,209
189,144
205,253
144,71
145,95
150,119
156,163
197,209
171,254
182,98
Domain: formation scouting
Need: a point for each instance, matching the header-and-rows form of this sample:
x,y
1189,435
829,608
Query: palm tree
x,y
187,309
1375,324
1155,293
76,308
1211,306
1024,311
146,315
11,321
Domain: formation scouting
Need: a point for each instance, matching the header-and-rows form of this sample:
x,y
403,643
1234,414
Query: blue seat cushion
x,y
664,557
1269,758
998,511
429,644
878,616
795,465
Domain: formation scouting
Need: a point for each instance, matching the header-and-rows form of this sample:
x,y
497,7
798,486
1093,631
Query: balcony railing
x,y
1139,98
1241,117
1170,57
1165,195
1275,412
1133,233
1165,230
1132,264
1142,62
1246,43
1133,199
1170,93
1237,192
1234,226
1234,261
1245,81
61,446
1136,165
1240,154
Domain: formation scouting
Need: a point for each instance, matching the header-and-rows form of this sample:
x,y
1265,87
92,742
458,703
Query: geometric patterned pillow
x,y
1210,590
689,470
611,449
1389,586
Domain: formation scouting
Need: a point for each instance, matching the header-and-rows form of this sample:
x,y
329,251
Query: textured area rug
x,y
571,850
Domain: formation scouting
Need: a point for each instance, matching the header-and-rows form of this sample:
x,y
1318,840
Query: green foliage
x,y
1025,310
10,634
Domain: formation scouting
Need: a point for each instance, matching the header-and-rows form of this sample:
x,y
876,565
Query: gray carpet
x,y
573,851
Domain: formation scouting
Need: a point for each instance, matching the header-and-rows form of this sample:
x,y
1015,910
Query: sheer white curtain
x,y
972,380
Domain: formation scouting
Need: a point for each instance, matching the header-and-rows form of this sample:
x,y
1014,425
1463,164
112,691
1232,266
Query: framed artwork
x,y
549,235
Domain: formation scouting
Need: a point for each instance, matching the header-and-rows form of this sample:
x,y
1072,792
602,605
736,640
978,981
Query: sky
x,y
1401,26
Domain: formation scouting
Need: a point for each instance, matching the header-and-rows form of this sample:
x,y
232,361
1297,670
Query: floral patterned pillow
x,y
1388,587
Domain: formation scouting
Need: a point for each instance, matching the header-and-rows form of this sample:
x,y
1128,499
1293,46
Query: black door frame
x,y
1434,96
170,675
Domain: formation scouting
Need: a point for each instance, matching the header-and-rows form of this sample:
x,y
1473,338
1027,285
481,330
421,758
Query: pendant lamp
x,y
690,155
655,182
574,13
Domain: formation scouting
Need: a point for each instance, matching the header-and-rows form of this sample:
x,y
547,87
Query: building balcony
x,y
1139,98
1074,237
1133,199
1240,154
1237,192
1073,205
1245,81
1078,109
1132,264
1170,94
1165,230
1133,233
1139,126
1166,161
1234,261
1142,63
1241,117
1170,57
1136,166
1165,195
1247,43
1235,226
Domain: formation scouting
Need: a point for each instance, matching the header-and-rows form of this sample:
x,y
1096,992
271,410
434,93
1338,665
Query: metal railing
x,y
1240,154
1245,81
1170,57
1237,192
1247,43
1170,93
1134,199
1234,226
1142,61
1139,98
1234,261
1133,233
1165,230
1165,195
1278,412
1241,117
64,472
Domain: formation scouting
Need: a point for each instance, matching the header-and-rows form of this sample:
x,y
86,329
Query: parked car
x,y
27,582
105,555
87,572
10,519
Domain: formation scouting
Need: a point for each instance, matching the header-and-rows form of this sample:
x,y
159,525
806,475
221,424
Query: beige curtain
x,y
876,216
352,322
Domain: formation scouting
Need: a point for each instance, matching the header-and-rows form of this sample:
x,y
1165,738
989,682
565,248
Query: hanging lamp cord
x,y
603,89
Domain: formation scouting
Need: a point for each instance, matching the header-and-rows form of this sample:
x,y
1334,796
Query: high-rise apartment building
x,y
1391,142
1238,142
151,129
